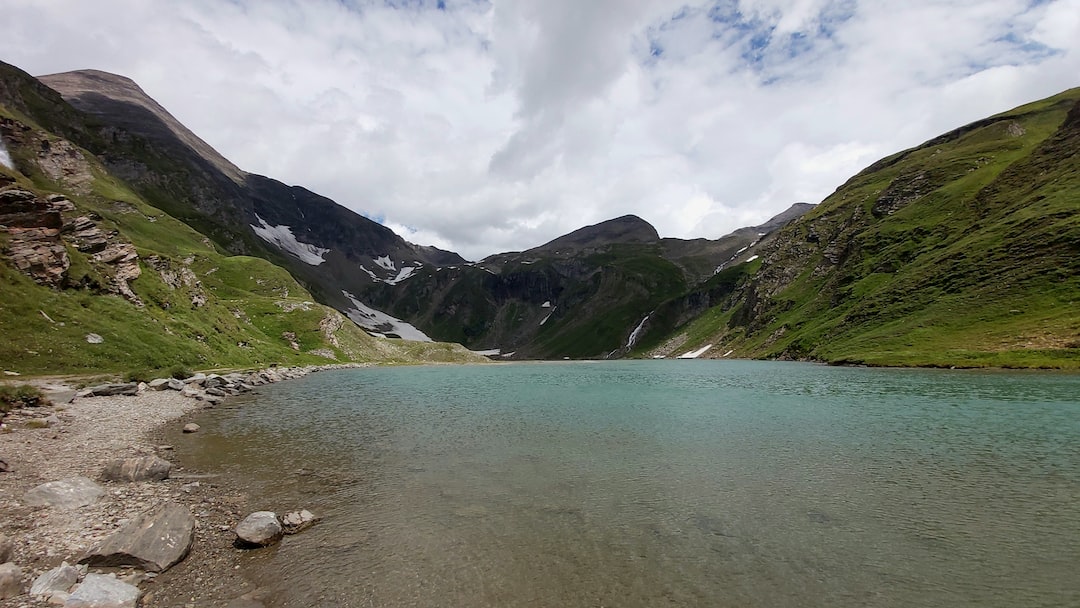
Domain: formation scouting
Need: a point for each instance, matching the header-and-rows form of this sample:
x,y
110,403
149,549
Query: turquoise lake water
x,y
663,483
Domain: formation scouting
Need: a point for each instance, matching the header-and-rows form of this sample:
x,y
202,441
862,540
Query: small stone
x,y
59,579
94,339
7,549
191,427
297,521
101,591
260,529
68,494
10,581
146,468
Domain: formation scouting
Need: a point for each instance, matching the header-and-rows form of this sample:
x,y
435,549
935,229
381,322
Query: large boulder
x,y
69,493
259,529
103,591
10,581
154,541
145,468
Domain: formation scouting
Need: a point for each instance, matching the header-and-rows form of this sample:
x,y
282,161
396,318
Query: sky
x,y
483,126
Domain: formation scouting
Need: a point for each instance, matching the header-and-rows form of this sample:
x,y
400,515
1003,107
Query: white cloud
x,y
493,126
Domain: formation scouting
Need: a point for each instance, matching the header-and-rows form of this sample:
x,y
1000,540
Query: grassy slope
x,y
250,303
982,268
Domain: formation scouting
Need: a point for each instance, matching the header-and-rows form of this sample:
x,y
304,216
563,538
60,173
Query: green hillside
x,y
190,305
964,251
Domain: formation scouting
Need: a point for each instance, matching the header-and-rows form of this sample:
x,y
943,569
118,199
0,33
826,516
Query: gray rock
x,y
7,549
153,541
159,384
192,392
52,420
145,468
297,521
57,580
110,390
69,493
94,339
191,427
196,379
215,391
214,381
10,581
261,528
101,591
176,385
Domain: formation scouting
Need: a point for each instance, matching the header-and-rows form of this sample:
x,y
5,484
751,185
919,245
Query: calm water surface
x,y
663,483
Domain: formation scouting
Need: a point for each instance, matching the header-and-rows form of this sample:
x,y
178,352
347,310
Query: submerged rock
x,y
69,493
260,529
191,427
154,541
297,521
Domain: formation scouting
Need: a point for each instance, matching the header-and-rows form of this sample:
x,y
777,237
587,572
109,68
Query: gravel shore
x,y
82,437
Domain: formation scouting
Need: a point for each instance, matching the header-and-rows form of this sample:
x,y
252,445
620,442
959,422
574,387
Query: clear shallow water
x,y
662,483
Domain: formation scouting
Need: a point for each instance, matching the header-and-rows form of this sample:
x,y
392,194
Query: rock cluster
x,y
210,388
155,520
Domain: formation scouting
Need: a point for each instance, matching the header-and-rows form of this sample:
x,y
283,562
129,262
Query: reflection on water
x,y
691,483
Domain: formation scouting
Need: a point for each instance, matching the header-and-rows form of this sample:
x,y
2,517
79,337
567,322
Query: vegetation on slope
x,y
964,251
193,306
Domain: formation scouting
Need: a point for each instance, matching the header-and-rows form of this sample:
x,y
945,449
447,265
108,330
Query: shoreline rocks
x,y
260,529
110,430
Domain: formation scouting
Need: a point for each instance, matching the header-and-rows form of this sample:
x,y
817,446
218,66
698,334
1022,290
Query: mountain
x,y
331,250
587,294
963,251
599,281
96,278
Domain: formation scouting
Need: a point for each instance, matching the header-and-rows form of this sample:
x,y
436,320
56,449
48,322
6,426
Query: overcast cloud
x,y
483,127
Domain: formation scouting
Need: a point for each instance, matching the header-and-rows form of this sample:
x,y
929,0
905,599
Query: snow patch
x,y
282,237
752,258
546,304
544,320
386,262
379,322
403,274
694,354
491,352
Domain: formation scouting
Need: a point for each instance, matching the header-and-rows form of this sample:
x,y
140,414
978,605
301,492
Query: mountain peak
x,y
122,102
625,229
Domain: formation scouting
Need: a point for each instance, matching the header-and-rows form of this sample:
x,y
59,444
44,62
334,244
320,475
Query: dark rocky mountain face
x,y
591,293
329,248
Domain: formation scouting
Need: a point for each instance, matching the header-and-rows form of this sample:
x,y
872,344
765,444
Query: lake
x,y
662,483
